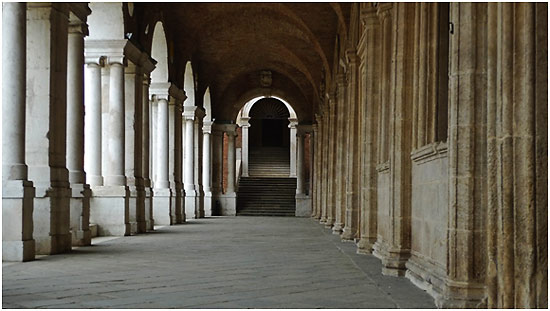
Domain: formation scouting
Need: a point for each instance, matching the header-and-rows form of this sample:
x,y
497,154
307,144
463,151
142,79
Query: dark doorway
x,y
272,132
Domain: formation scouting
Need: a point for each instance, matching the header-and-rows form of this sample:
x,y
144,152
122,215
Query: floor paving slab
x,y
215,262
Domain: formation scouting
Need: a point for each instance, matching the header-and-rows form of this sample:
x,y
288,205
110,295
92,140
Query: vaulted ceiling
x,y
231,43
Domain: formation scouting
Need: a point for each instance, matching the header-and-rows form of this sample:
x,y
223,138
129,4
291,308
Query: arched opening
x,y
268,137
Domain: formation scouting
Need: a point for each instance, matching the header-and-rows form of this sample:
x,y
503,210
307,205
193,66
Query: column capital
x,y
293,122
189,112
315,127
384,10
351,57
78,28
79,11
200,113
159,90
369,16
319,118
303,129
244,122
177,93
229,129
207,127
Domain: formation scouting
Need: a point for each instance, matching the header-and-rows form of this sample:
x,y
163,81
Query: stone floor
x,y
233,262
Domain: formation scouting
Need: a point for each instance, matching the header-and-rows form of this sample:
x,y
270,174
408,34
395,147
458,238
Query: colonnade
x,y
413,145
94,141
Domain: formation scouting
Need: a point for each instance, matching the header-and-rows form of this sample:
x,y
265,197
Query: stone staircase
x,y
269,162
268,191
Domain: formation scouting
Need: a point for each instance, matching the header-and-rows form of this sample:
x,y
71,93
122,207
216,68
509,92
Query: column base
x,y
208,203
133,209
337,228
149,222
329,223
140,211
228,204
110,210
323,220
393,259
447,293
51,220
80,214
365,245
17,220
348,234
191,205
162,207
179,208
303,205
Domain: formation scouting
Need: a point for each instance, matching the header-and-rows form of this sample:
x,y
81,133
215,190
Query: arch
x,y
248,106
159,52
207,104
257,93
189,85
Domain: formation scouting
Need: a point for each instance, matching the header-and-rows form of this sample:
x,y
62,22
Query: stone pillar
x,y
197,154
133,80
162,201
331,163
228,200
110,203
80,196
189,167
17,191
317,157
325,164
292,126
207,167
147,67
46,133
245,147
338,191
303,201
463,286
351,174
217,168
177,97
369,52
92,122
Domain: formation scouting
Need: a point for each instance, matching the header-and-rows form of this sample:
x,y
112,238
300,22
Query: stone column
x,y
17,191
292,126
351,179
197,154
92,122
189,169
206,167
303,201
110,203
176,150
317,157
217,168
162,201
133,138
463,286
325,164
46,133
369,52
228,200
80,196
331,163
338,191
147,67
245,147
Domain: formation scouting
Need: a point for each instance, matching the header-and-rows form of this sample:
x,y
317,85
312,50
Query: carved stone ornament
x,y
265,78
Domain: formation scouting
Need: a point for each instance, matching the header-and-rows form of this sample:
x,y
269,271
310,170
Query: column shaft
x,y
115,137
75,105
162,144
92,125
230,162
189,154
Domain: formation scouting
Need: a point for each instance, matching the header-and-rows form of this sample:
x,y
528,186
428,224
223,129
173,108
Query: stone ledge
x,y
429,152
